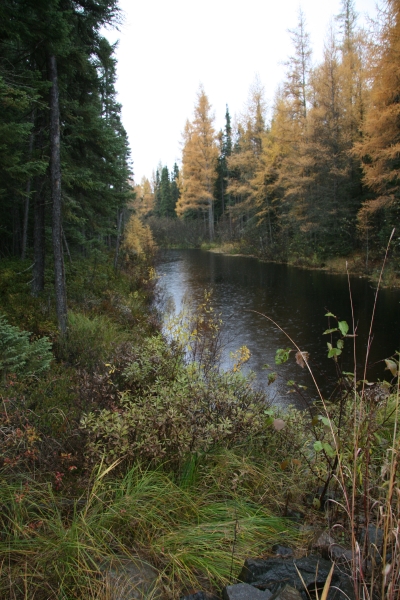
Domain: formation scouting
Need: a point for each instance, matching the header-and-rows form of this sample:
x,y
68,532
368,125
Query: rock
x,y
270,573
244,591
282,551
287,593
375,538
340,555
322,542
265,574
130,579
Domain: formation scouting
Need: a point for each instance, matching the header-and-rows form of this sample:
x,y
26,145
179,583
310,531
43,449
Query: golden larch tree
x,y
199,158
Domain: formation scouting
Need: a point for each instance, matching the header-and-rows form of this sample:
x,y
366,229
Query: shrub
x,y
172,409
19,355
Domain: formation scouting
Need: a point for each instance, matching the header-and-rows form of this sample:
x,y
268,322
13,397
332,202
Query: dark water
x,y
297,300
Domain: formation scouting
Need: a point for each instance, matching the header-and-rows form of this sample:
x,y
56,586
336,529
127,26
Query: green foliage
x,y
342,328
90,340
282,355
21,356
172,409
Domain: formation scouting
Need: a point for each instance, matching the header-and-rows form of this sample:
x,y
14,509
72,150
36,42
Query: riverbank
x,y
121,449
354,265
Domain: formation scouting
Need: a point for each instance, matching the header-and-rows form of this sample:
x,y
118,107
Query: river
x,y
297,299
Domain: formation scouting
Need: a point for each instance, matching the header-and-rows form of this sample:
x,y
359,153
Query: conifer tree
x,y
380,148
199,159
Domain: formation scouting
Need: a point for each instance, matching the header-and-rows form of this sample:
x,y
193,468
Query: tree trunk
x,y
38,238
55,186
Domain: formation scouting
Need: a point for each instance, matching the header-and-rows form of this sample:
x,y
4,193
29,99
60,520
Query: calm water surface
x,y
297,300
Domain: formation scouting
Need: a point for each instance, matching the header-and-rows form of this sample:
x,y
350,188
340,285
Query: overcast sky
x,y
168,47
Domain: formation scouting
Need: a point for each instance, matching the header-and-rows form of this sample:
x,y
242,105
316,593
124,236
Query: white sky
x,y
168,47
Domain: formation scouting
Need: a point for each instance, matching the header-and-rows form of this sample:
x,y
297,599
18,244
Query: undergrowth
x,y
130,443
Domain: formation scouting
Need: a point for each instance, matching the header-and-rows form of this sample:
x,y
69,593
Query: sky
x,y
167,48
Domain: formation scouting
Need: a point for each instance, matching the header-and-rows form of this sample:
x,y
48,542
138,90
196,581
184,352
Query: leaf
x,y
284,465
329,314
282,355
329,450
340,344
330,330
391,365
344,328
324,420
279,424
290,383
271,378
318,447
334,352
302,358
316,504
327,585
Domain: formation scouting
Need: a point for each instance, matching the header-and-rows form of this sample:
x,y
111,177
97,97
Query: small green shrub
x,y
21,356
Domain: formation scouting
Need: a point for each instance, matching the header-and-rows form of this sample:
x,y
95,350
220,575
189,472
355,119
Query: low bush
x,y
171,409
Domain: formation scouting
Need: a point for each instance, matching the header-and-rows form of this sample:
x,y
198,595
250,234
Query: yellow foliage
x,y
138,238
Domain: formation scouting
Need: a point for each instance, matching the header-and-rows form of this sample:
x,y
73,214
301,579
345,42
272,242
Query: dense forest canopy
x,y
318,173
64,157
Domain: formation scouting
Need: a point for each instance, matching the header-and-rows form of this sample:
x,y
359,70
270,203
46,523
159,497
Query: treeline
x,y
64,157
319,176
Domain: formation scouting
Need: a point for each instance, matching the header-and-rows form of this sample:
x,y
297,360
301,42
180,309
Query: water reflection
x,y
297,300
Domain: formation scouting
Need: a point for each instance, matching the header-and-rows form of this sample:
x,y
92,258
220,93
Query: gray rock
x,y
282,551
244,591
130,579
287,593
322,543
265,574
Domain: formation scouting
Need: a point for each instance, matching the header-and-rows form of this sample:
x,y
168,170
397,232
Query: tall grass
x,y
192,531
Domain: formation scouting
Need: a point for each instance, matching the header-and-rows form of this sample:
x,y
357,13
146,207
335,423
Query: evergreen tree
x,y
222,180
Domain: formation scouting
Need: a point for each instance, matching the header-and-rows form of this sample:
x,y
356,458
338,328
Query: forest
x,y
130,462
315,176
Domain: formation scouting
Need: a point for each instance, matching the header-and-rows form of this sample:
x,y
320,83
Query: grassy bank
x,y
117,442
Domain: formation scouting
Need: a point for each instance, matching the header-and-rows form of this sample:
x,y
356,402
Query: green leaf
x,y
318,447
391,365
329,314
324,420
282,355
271,378
340,344
344,328
334,352
290,382
316,503
330,331
329,450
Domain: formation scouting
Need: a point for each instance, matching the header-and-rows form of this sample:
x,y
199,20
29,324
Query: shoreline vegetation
x,y
119,445
354,265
